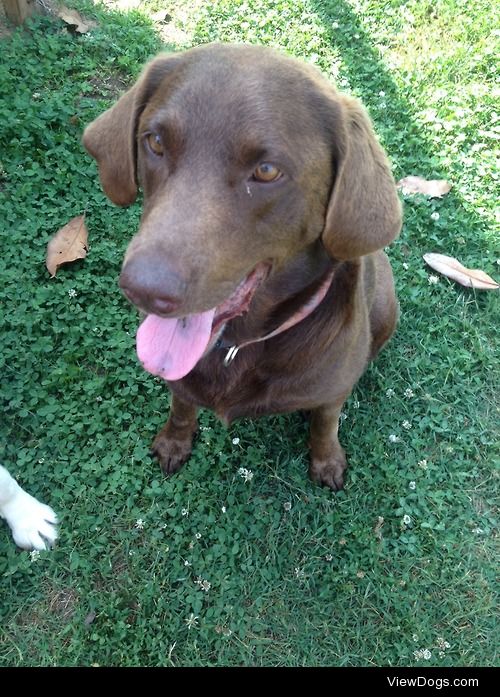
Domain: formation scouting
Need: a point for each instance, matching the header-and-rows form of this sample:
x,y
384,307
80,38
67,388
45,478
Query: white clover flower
x,y
223,509
422,464
435,216
393,438
236,441
405,266
203,583
198,535
406,519
184,511
390,392
139,524
329,557
72,293
187,563
98,399
223,630
422,653
299,573
409,393
442,644
247,475
433,280
415,637
412,485
34,555
287,505
41,461
406,424
191,621
381,93
355,404
335,25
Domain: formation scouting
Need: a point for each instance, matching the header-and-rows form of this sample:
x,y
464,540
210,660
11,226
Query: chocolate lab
x,y
258,262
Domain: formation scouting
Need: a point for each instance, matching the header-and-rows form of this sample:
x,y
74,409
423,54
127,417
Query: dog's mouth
x,y
171,347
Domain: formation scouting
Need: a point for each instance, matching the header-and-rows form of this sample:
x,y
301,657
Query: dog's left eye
x,y
266,172
155,144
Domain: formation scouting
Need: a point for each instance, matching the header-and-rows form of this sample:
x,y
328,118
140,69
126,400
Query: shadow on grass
x,y
410,150
370,79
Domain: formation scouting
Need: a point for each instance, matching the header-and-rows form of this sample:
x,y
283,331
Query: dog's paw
x,y
171,453
330,471
33,524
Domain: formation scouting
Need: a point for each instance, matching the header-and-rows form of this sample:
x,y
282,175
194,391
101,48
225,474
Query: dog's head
x,y
246,158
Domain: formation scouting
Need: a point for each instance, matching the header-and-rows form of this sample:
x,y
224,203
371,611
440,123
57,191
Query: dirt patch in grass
x,y
110,86
62,602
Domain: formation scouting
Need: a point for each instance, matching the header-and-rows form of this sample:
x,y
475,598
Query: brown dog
x,y
266,201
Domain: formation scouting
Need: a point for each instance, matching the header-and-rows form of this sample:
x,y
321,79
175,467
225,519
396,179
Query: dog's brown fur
x,y
219,111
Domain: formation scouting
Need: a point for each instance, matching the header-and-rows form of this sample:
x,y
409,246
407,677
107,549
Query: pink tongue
x,y
171,348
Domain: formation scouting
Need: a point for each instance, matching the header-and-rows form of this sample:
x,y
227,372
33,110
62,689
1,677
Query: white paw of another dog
x,y
33,524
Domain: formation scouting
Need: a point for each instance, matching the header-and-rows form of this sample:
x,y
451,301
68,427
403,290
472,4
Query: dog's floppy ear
x,y
111,138
364,212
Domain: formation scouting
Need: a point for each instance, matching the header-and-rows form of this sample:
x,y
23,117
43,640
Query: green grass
x,y
325,582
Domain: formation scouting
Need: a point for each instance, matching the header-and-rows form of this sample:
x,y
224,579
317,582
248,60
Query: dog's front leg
x,y
174,442
328,460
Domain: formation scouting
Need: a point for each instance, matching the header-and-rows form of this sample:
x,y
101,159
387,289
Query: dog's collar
x,y
304,311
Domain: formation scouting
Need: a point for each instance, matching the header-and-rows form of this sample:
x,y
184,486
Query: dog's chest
x,y
249,386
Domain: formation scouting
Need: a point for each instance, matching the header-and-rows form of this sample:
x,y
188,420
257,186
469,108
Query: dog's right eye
x,y
266,172
155,144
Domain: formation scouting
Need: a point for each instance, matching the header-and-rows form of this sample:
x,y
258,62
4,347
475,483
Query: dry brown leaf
x,y
74,19
452,268
435,188
68,244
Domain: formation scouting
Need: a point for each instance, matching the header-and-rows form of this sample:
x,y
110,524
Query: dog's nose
x,y
152,285
154,305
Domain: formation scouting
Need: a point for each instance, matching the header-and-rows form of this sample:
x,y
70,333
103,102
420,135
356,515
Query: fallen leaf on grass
x,y
74,20
68,244
452,268
435,188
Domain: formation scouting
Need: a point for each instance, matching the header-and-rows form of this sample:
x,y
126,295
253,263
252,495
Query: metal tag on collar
x,y
231,355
